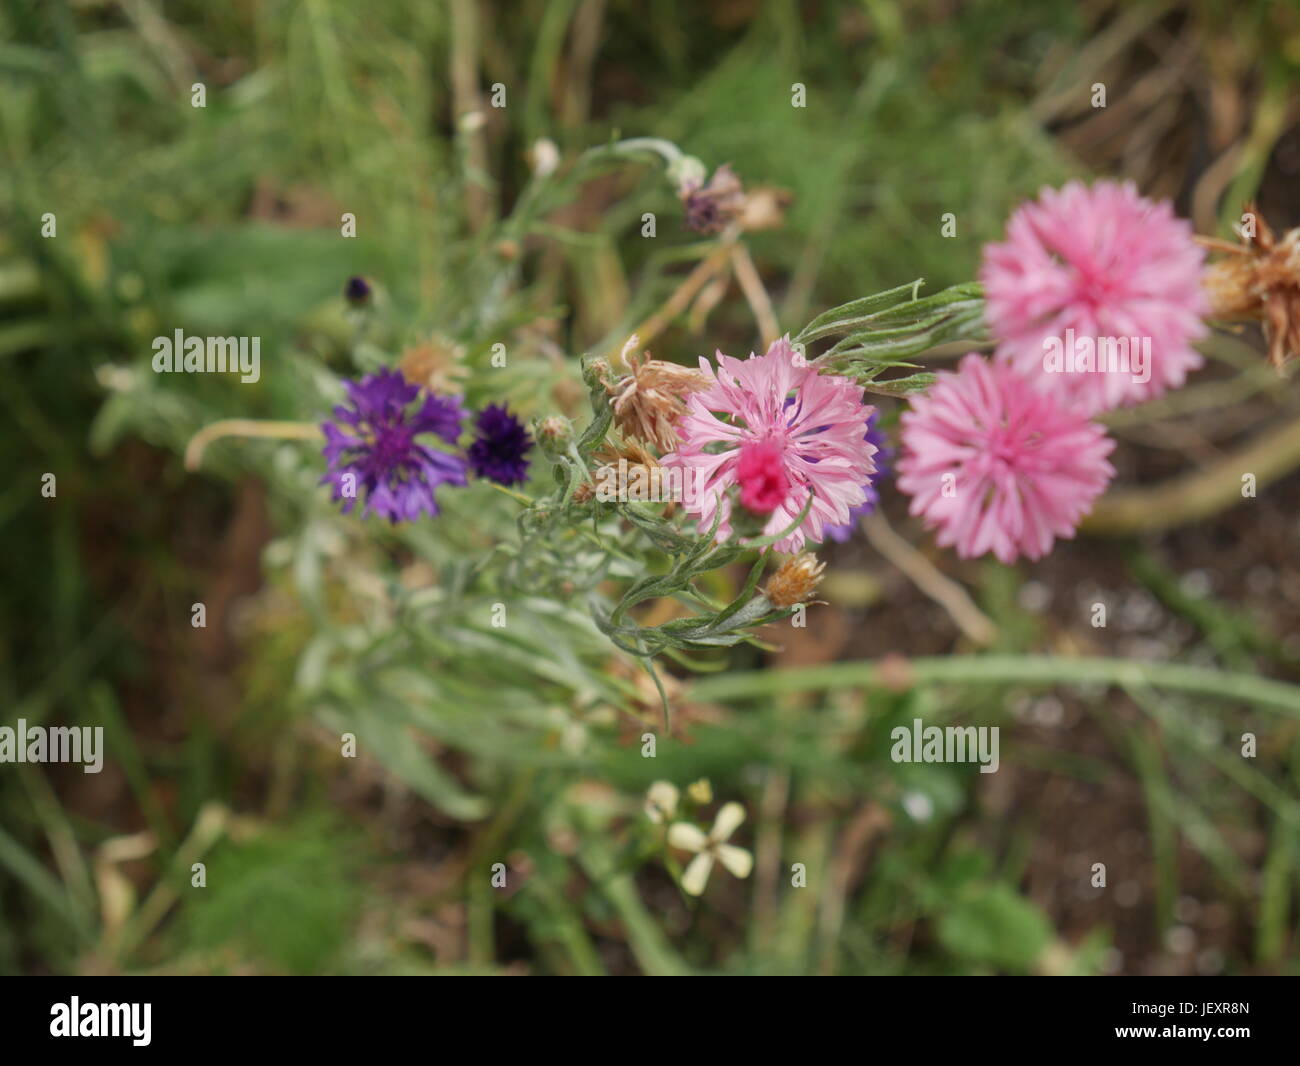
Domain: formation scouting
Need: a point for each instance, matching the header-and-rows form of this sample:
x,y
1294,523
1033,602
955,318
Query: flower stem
x,y
1044,670
925,576
245,427
1199,494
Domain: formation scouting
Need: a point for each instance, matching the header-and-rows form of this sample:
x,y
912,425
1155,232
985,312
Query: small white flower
x,y
545,157
661,802
115,378
711,846
918,805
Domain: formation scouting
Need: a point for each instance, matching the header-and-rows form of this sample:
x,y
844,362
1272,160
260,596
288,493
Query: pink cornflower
x,y
997,466
776,430
1096,277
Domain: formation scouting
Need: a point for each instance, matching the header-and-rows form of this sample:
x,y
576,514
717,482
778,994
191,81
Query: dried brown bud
x,y
711,207
649,401
610,452
795,581
435,365
555,428
764,208
1229,285
623,467
596,372
1260,279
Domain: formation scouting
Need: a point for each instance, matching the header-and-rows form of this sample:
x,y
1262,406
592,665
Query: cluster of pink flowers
x,y
1094,300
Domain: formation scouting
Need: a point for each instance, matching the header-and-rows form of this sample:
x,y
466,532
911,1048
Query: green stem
x,y
1045,670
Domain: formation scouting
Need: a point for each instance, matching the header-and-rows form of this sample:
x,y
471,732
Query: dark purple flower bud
x,y
498,453
711,207
357,291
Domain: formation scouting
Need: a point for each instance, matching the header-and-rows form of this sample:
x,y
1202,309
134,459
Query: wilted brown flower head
x,y
639,465
610,452
1260,279
795,581
712,206
764,208
606,459
435,365
649,400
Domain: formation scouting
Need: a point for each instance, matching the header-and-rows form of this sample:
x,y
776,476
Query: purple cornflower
x,y
498,453
875,436
370,445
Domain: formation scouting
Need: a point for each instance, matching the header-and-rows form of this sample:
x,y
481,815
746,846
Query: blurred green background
x,y
521,746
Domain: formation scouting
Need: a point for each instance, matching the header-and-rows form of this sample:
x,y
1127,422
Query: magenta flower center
x,y
1006,446
760,470
1096,286
1005,450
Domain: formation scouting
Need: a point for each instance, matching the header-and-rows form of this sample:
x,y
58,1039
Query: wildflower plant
x,y
766,458
782,451
555,450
